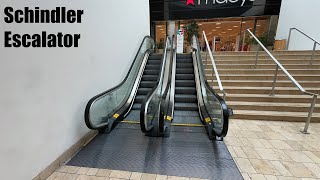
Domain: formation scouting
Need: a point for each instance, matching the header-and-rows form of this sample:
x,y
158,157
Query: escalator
x,y
158,120
105,111
197,107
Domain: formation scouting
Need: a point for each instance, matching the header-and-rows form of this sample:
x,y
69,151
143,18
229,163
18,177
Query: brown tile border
x,y
65,156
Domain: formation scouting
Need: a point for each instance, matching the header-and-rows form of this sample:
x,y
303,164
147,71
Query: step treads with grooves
x,y
185,83
185,90
185,98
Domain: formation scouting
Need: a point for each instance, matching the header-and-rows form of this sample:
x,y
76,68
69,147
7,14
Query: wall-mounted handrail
x,y
213,65
279,65
315,42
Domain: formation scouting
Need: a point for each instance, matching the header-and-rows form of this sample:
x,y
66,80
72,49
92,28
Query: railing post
x,y
306,127
206,58
257,56
314,48
243,40
212,77
274,81
288,41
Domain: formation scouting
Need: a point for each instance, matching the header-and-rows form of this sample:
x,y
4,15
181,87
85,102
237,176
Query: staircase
x,y
248,89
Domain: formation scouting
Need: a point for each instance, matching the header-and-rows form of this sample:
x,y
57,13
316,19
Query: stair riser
x,y
154,62
253,53
184,61
265,84
150,72
273,108
246,67
184,65
274,118
153,78
186,91
142,92
298,78
152,67
259,71
278,57
147,85
184,71
185,100
185,84
184,76
258,91
272,100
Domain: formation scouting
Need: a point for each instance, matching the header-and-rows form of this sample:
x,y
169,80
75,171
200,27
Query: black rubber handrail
x,y
92,100
204,82
143,126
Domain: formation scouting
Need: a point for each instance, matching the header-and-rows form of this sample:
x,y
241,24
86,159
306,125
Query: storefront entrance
x,y
227,34
224,22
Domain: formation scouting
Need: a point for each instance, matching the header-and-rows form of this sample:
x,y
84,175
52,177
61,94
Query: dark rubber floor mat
x,y
187,154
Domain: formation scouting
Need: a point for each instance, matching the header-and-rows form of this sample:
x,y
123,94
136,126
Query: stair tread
x,y
283,81
275,113
271,104
268,88
259,75
268,96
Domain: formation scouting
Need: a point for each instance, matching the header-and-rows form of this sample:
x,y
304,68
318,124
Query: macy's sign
x,y
191,2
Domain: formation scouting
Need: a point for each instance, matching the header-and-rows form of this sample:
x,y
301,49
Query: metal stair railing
x,y
279,65
315,42
214,67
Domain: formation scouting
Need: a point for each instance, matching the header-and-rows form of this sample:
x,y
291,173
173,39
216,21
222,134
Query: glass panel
x,y
106,105
215,111
155,98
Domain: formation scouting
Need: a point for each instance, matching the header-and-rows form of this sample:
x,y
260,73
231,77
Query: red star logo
x,y
190,2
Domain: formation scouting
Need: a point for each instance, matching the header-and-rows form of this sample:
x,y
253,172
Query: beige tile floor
x,y
262,150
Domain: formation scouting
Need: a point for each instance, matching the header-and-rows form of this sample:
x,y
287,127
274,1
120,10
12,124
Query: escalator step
x,y
151,72
186,106
184,65
155,56
185,90
150,78
181,56
147,84
185,83
184,61
152,67
139,98
185,98
184,76
154,61
184,71
186,113
136,106
143,91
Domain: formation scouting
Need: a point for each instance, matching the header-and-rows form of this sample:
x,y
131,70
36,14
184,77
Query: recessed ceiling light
x,y
159,26
200,24
258,25
224,32
243,22
229,29
161,29
235,26
218,23
218,27
213,29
